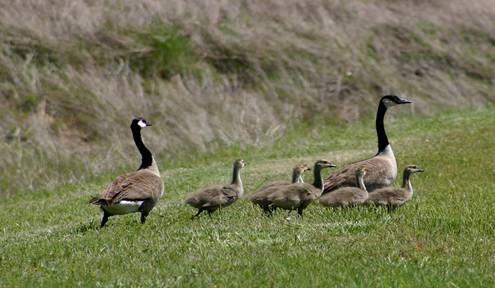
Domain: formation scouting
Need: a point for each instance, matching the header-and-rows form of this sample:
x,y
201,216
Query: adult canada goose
x,y
215,197
347,196
136,191
381,170
260,197
300,195
393,197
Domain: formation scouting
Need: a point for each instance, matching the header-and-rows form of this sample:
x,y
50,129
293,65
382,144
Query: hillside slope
x,y
73,73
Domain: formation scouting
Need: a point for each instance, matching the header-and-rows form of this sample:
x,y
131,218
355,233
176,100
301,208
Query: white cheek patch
x,y
389,103
141,124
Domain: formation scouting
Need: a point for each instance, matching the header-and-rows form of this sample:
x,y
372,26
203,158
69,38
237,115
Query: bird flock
x,y
363,183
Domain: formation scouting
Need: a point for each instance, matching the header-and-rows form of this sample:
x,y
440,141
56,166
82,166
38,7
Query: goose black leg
x,y
104,219
143,216
300,211
268,211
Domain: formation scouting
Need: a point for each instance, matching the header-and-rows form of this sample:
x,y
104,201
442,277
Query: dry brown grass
x,y
73,73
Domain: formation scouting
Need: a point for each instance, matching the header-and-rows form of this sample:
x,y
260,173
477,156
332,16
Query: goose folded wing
x,y
342,177
218,196
347,176
230,193
133,187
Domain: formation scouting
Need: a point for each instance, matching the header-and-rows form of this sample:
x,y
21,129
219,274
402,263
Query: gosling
x,y
392,197
212,198
260,197
298,196
347,196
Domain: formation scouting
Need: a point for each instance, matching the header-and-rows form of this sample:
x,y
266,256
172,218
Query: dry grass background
x,y
210,73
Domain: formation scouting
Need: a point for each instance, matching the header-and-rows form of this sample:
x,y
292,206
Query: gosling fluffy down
x,y
213,198
347,196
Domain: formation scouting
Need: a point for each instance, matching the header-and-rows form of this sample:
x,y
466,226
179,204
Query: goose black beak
x,y
405,101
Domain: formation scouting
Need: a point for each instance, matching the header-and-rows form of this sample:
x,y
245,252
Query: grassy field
x,y
73,73
442,238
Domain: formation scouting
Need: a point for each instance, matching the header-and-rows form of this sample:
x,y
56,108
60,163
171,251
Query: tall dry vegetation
x,y
74,72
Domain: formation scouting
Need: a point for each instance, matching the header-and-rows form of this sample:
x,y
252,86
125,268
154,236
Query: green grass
x,y
442,238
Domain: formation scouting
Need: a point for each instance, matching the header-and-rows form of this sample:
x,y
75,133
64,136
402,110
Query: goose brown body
x,y
142,185
381,172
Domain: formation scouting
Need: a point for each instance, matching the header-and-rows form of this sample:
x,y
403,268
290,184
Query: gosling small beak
x,y
331,165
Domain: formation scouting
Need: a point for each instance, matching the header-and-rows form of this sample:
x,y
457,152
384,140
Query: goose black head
x,y
414,168
324,164
140,122
392,100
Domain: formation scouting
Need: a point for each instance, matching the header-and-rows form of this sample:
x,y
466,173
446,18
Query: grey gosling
x,y
393,197
260,197
347,196
134,192
212,198
298,196
381,170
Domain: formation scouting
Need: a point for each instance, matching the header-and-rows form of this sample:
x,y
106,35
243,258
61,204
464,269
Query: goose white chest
x,y
123,207
391,170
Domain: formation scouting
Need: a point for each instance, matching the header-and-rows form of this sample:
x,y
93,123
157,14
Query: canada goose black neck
x,y
146,157
317,182
380,128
